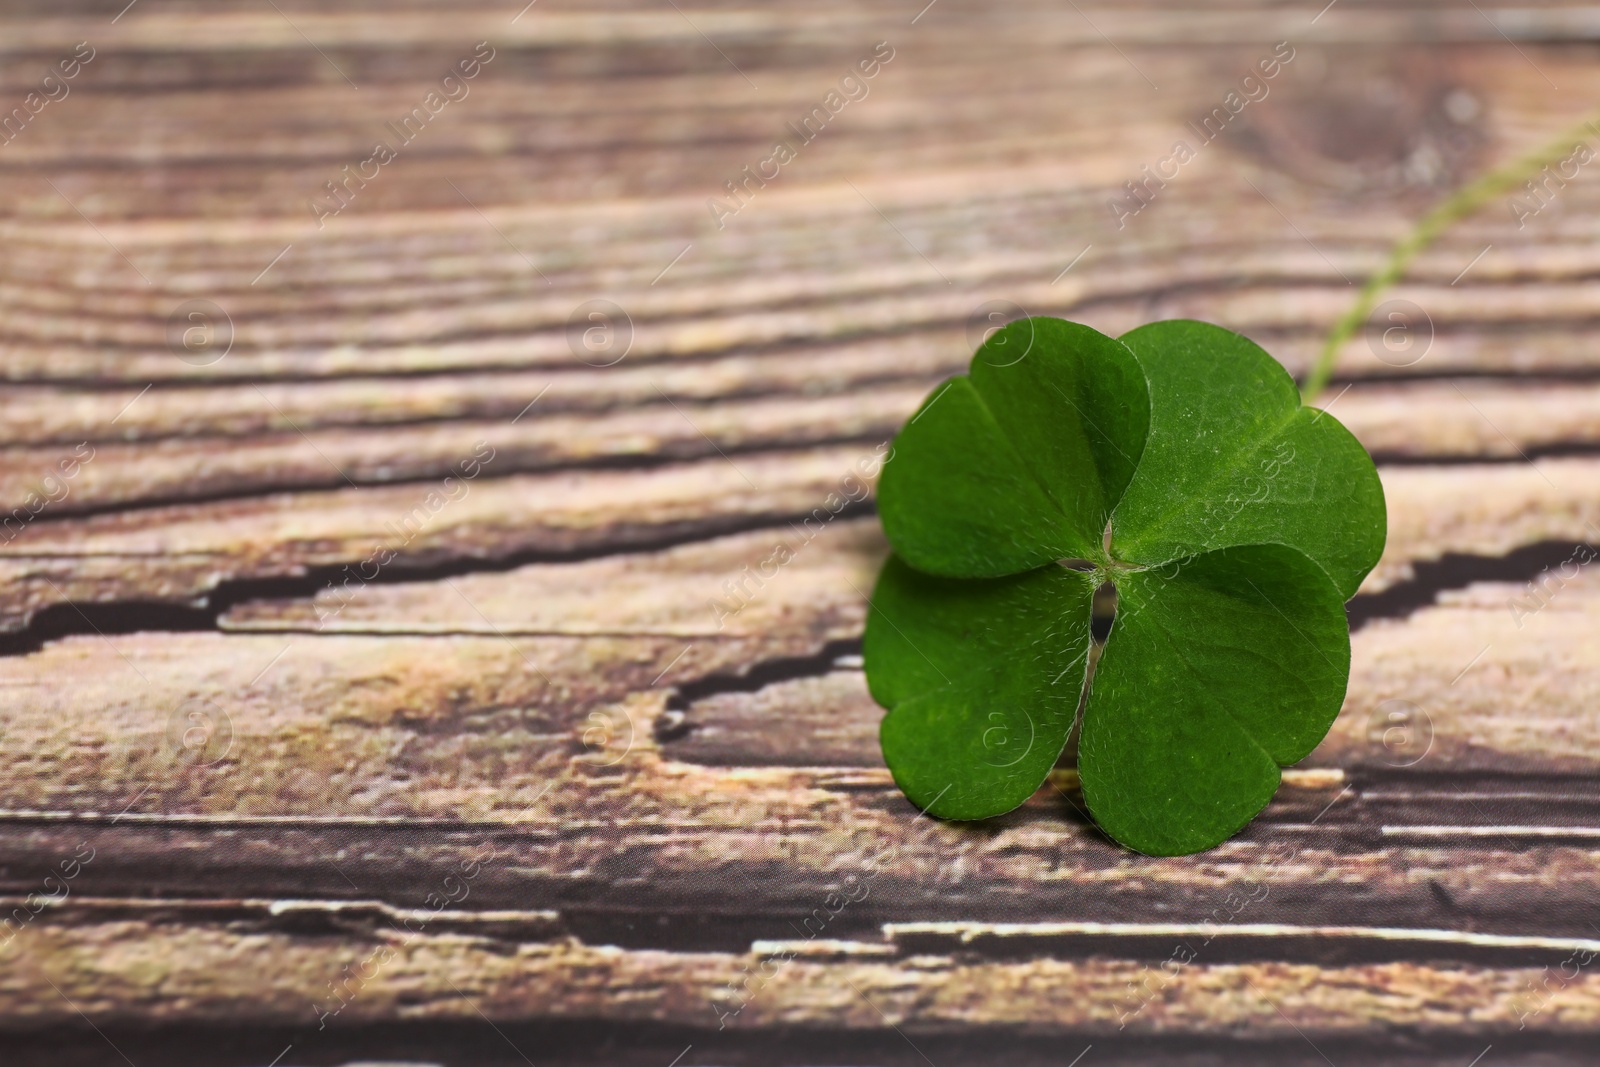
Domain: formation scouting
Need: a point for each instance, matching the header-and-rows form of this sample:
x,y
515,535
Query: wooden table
x,y
391,673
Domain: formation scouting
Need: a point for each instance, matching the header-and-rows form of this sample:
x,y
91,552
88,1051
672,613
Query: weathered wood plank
x,y
740,585
624,24
1256,275
670,786
1446,691
1483,510
210,971
1426,419
1430,420
64,415
178,553
179,468
1468,418
334,744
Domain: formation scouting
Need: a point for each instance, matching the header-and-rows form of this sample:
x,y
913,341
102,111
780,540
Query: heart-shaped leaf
x,y
1233,458
1018,463
1176,463
984,695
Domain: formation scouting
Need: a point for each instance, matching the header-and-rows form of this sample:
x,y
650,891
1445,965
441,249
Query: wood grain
x,y
401,968
537,740
572,660
181,553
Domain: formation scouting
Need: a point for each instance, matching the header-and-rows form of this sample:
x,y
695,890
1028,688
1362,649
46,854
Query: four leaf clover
x,y
1176,463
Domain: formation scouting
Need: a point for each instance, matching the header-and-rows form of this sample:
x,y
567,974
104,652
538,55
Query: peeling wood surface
x,y
209,969
404,684
181,553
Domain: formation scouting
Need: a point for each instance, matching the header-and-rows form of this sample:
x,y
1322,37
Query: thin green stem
x,y
1458,205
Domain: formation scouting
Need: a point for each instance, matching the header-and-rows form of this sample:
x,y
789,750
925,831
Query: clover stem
x,y
1463,202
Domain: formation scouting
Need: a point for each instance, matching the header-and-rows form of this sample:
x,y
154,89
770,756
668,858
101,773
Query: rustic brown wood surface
x,y
388,674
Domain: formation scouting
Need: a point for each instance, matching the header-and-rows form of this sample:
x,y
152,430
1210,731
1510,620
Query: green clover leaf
x,y
1177,463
